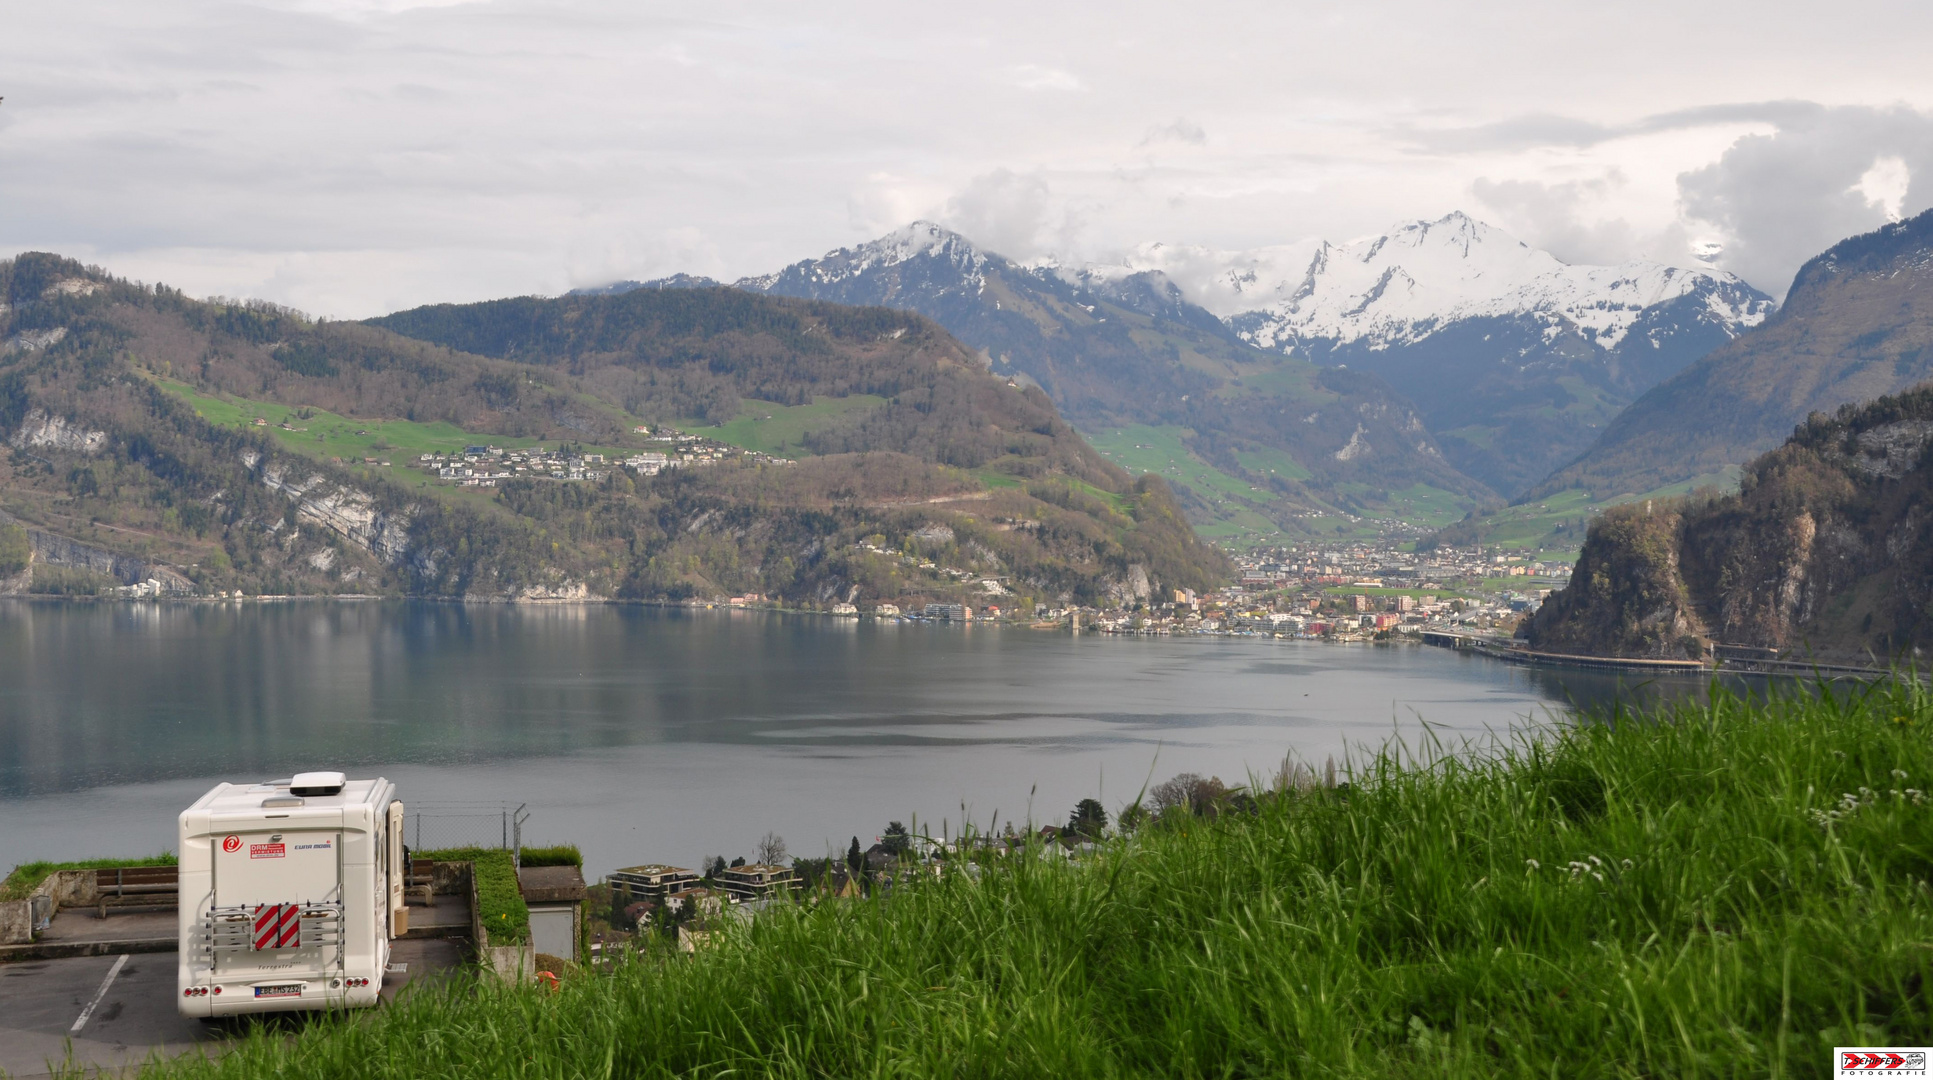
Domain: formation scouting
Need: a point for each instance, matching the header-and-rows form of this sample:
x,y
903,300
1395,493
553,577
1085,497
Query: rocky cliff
x,y
1827,551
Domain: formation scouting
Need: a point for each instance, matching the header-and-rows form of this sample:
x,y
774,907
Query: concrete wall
x,y
63,888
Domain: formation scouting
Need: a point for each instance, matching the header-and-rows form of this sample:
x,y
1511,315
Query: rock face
x,y
1627,594
1827,549
347,512
40,431
53,550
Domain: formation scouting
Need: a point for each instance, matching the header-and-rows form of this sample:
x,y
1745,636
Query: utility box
x,y
290,893
555,896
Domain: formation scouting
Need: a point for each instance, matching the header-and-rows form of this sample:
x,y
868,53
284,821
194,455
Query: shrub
x,y
500,902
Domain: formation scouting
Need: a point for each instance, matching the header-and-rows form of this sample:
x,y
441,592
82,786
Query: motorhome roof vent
x,y
317,783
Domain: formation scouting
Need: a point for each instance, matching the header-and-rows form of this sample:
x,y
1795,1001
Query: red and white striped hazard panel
x,y
278,926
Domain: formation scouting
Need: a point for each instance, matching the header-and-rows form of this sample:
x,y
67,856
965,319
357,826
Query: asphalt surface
x,y
133,1017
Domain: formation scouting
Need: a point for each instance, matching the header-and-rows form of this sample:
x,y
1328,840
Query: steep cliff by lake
x,y
1826,551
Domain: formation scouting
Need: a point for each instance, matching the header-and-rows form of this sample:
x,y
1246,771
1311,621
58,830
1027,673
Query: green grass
x,y
555,855
1532,525
780,430
325,435
1427,507
1141,448
1722,890
500,902
1272,461
27,876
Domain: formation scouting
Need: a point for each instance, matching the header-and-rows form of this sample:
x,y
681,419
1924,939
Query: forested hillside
x,y
1256,442
1857,323
138,424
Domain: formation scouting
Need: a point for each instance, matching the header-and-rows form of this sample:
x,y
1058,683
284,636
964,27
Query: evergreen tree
x,y
1088,819
855,858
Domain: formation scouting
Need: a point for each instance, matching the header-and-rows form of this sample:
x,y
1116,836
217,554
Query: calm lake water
x,y
648,734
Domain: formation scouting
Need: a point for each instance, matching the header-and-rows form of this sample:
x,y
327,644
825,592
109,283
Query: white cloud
x,y
1884,186
1037,77
347,156
1780,198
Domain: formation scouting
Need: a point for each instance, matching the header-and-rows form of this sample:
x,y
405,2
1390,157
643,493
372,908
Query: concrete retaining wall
x,y
63,888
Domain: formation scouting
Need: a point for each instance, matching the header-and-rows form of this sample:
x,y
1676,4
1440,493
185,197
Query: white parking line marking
x,y
98,995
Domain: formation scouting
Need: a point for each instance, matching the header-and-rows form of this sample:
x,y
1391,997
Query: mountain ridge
x,y
1857,324
1510,359
1126,352
143,423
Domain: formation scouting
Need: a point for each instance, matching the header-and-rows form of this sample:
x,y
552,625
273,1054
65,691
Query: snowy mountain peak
x,y
1400,287
920,239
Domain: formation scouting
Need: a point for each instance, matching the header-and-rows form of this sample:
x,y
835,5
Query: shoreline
x,y
1527,658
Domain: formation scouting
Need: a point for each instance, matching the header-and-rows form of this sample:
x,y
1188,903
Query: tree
x,y
811,871
1088,819
1177,791
897,840
771,850
855,858
740,861
715,866
1132,817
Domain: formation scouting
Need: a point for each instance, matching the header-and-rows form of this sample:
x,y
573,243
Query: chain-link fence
x,y
440,825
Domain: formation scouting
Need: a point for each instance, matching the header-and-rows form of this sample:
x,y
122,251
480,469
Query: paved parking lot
x,y
132,1016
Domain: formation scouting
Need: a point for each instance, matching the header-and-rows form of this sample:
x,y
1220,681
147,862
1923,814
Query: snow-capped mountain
x,y
1399,288
949,256
1516,358
1118,346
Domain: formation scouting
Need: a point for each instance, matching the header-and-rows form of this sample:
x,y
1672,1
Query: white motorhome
x,y
290,894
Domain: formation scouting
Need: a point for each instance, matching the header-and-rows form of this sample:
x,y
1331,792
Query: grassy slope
x,y
1141,448
324,435
1237,508
1555,523
1723,891
771,428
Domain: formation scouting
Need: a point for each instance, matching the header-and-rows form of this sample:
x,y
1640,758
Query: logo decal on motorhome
x,y
268,851
231,844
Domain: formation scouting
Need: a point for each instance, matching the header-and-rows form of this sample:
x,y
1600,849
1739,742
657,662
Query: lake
x,y
668,734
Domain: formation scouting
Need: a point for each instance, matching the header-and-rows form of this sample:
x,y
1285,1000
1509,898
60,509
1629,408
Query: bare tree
x,y
771,850
1177,791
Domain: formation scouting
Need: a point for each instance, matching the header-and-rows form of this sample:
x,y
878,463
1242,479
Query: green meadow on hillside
x,y
395,445
1713,890
780,430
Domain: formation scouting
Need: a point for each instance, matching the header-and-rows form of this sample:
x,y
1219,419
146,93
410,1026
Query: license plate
x,y
294,990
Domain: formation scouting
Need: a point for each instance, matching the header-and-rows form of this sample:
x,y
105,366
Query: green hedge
x,y
558,855
27,876
499,901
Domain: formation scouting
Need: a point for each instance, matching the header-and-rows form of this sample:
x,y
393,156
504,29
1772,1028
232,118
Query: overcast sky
x,y
351,157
